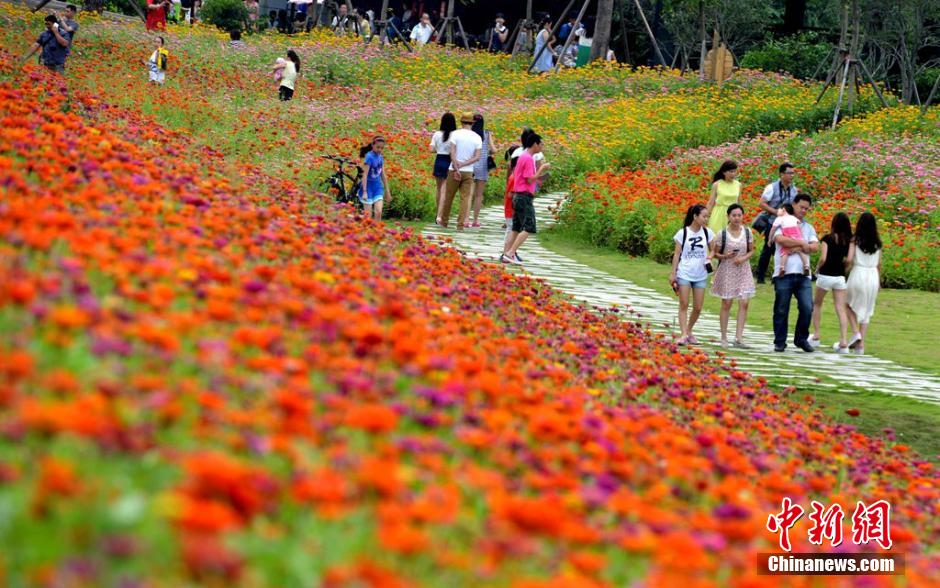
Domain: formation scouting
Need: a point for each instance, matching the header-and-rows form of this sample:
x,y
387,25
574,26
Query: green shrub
x,y
798,55
228,15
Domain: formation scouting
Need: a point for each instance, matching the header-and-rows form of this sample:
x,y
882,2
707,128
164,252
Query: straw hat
x,y
466,118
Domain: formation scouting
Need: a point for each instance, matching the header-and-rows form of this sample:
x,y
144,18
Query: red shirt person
x,y
156,14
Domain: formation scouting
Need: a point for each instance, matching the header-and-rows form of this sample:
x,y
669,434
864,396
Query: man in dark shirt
x,y
54,43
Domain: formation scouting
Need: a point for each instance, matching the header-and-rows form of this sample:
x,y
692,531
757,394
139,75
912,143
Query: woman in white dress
x,y
864,278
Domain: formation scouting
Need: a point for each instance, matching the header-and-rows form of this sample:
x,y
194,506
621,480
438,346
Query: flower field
x,y
887,162
210,379
212,375
592,119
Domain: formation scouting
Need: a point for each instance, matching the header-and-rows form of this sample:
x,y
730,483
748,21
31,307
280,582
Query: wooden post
x,y
933,91
871,80
463,34
649,31
449,23
571,34
845,77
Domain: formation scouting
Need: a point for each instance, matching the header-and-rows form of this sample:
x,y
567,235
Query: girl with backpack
x,y
733,246
158,62
691,264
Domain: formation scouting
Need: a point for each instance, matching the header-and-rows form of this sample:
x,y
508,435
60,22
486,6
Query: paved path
x,y
597,288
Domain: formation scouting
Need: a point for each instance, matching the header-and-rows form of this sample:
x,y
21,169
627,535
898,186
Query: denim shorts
x,y
374,196
701,284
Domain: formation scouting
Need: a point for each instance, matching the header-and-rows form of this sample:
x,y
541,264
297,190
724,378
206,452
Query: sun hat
x,y
466,118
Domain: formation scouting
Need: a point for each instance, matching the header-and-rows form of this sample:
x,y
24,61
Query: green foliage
x,y
632,234
228,15
799,55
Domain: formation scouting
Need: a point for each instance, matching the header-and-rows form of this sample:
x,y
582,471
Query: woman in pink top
x,y
525,180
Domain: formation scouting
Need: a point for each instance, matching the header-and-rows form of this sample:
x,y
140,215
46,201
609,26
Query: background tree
x,y
605,17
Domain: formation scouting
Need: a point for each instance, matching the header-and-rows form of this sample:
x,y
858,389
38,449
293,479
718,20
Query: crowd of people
x,y
463,160
714,233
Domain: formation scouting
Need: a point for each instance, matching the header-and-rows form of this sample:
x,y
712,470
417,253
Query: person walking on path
x,y
525,180
790,281
54,43
156,14
440,144
690,267
512,156
833,256
544,39
465,149
289,69
374,187
733,247
775,195
481,169
726,190
864,278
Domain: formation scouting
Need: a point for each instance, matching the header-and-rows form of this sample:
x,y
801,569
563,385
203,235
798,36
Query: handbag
x,y
761,223
490,162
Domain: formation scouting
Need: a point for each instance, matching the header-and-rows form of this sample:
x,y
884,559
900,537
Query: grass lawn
x,y
904,323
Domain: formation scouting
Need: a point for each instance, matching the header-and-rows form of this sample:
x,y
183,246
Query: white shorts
x,y
830,282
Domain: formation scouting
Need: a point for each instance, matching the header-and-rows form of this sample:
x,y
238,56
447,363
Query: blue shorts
x,y
701,284
374,196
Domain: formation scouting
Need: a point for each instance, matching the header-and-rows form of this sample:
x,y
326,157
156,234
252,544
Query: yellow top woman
x,y
726,190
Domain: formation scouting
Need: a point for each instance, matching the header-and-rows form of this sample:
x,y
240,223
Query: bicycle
x,y
344,187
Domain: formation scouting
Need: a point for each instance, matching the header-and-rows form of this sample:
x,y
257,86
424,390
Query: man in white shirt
x,y
775,195
794,283
465,149
421,33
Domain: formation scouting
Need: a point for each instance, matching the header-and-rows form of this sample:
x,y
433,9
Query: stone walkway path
x,y
597,288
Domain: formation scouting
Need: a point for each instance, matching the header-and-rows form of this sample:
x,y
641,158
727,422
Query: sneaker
x,y
740,344
516,259
813,341
860,350
723,344
682,341
503,258
856,339
780,348
693,340
519,258
839,349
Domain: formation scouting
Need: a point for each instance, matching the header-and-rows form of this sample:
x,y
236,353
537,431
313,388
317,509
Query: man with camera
x,y
54,43
775,195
